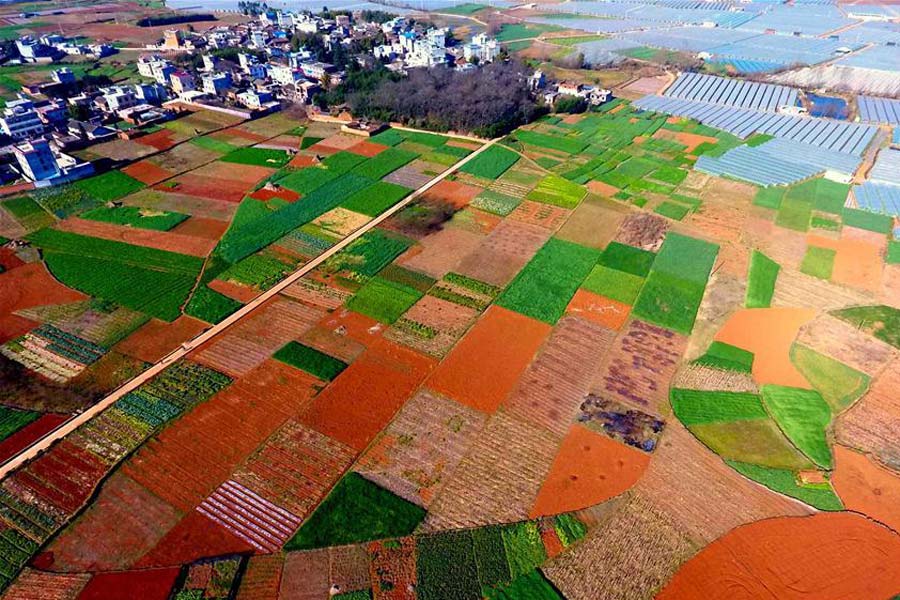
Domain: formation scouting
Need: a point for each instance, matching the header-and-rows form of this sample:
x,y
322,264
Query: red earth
x,y
485,365
153,584
827,556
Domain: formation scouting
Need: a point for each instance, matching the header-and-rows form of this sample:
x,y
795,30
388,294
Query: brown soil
x,y
483,367
769,334
157,338
588,469
825,556
160,240
867,487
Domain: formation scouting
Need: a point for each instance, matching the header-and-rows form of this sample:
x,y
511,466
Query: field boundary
x,y
40,445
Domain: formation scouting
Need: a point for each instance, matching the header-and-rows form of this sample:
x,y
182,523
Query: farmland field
x,y
576,367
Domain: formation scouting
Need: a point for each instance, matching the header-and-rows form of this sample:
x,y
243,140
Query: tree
x,y
570,104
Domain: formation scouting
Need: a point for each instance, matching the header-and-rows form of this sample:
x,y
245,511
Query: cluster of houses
x,y
53,47
50,119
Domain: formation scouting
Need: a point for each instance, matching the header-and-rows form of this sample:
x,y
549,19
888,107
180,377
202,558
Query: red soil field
x,y
12,326
825,556
161,140
769,334
604,189
589,469
599,309
302,161
40,585
366,396
28,434
368,149
248,174
866,487
64,477
121,525
157,338
9,260
295,468
305,575
201,227
394,564
190,458
453,192
214,189
235,291
691,140
857,263
252,341
32,285
262,578
7,190
153,584
160,240
283,193
485,365
194,537
147,172
241,133
552,544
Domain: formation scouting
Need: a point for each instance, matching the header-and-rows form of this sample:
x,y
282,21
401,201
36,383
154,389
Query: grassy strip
x,y
317,364
761,280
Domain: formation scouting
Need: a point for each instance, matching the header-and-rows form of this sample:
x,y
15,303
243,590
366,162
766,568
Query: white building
x,y
182,82
116,98
216,84
285,75
20,120
38,163
255,99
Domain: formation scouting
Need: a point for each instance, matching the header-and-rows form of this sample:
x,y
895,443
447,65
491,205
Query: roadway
x,y
42,444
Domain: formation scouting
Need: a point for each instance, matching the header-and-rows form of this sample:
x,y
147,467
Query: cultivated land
x,y
568,365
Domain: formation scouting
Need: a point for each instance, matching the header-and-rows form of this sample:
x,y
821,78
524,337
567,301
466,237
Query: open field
x,y
521,383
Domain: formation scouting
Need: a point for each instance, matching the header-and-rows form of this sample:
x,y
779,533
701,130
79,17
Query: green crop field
x,y
754,441
530,586
384,163
881,321
823,194
210,306
821,497
152,281
468,8
355,511
794,214
261,157
669,301
211,143
685,257
369,254
28,213
724,356
376,198
446,566
867,220
516,31
13,419
629,259
839,384
134,216
769,197
893,253
803,416
342,162
543,289
261,270
112,185
383,300
317,364
558,191
550,142
672,210
616,285
491,163
699,406
761,278
818,262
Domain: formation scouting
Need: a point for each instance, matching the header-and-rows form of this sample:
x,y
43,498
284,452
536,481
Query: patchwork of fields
x,y
521,385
